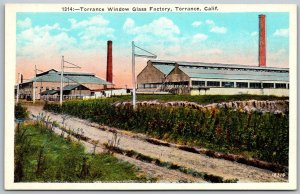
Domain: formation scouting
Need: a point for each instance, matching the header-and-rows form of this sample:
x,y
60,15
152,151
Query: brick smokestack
x,y
109,73
262,41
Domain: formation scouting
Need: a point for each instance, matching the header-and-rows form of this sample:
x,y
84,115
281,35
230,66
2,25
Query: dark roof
x,y
49,92
72,87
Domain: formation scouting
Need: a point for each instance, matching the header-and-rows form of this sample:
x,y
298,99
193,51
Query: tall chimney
x,y
109,73
262,41
21,78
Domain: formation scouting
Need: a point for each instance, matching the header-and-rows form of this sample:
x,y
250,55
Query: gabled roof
x,y
165,69
77,77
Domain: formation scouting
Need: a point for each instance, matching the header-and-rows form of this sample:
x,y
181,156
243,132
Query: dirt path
x,y
198,162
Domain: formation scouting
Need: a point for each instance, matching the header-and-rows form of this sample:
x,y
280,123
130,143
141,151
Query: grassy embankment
x,y
43,156
258,135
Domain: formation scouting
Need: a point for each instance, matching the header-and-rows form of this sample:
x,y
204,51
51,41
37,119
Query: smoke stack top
x,y
262,41
109,73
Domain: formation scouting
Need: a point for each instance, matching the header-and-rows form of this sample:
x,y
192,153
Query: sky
x,y
232,38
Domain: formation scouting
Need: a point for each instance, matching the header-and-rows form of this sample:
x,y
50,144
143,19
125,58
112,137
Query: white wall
x,y
234,91
108,93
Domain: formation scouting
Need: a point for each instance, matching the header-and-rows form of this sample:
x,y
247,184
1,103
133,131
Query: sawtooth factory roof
x,y
223,71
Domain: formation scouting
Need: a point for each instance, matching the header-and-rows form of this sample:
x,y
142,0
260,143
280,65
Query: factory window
x,y
280,85
228,84
58,88
242,84
255,85
268,85
47,88
198,83
213,84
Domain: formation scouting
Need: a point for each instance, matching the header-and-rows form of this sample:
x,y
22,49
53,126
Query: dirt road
x,y
198,162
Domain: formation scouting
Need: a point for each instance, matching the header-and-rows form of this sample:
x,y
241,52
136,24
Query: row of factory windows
x,y
239,84
47,88
216,84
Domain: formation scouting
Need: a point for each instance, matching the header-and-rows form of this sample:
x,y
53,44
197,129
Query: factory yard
x,y
228,170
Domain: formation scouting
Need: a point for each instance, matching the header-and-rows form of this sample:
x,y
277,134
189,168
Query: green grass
x,y
42,156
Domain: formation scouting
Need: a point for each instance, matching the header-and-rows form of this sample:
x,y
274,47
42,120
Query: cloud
x,y
162,27
210,22
39,41
53,39
254,34
26,23
217,29
92,21
92,30
196,23
200,37
214,28
128,25
281,32
161,35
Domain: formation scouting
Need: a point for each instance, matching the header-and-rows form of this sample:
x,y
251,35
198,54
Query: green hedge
x,y
204,99
263,136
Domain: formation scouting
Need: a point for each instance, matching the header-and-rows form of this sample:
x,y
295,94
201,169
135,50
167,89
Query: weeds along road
x,y
198,162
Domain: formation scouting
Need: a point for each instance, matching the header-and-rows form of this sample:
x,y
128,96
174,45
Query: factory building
x,y
75,84
198,78
47,85
211,78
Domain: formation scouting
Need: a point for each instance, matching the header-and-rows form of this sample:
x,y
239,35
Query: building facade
x,y
197,78
74,83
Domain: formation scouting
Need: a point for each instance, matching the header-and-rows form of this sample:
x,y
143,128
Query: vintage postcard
x,y
150,97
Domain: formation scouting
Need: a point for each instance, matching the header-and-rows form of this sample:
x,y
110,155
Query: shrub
x,y
21,112
264,136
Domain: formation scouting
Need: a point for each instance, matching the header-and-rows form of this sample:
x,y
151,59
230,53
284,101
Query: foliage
x,y
42,156
204,99
21,112
263,136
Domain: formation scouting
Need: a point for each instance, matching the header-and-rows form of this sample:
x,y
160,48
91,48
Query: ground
x,y
198,162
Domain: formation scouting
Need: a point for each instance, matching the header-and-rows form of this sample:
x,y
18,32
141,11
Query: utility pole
x,y
62,76
18,88
151,55
133,78
61,81
33,84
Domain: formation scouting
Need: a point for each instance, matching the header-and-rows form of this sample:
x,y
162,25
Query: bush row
x,y
263,136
